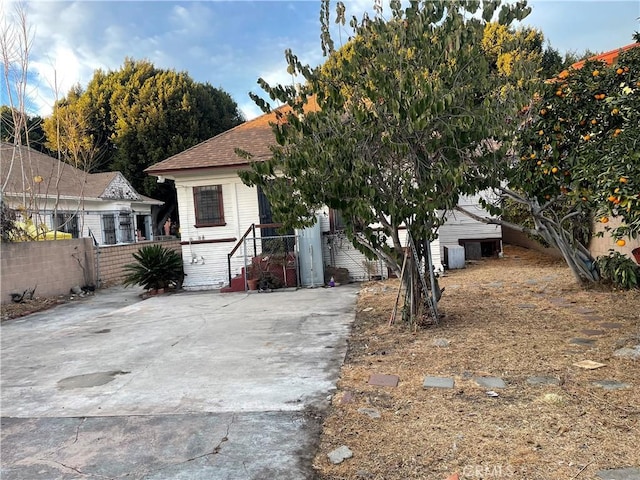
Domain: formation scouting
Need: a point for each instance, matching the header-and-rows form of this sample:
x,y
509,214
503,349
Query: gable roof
x,y
21,167
254,136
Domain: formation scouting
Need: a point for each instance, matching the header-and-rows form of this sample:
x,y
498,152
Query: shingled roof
x,y
254,136
20,167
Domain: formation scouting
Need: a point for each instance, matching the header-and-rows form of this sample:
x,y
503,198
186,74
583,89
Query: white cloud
x,y
250,109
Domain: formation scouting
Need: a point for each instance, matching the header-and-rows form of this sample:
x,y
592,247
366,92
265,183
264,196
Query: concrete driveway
x,y
187,386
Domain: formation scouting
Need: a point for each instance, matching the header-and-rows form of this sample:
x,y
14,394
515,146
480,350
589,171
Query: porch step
x,y
236,285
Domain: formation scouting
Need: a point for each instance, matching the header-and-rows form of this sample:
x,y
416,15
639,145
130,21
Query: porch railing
x,y
250,230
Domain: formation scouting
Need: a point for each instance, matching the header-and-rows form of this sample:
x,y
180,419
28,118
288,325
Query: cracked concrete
x,y
216,386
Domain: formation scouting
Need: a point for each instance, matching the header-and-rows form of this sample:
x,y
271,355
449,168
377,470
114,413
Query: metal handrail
x,y
251,229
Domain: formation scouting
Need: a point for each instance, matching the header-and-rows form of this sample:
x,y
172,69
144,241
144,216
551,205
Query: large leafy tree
x,y
140,115
409,111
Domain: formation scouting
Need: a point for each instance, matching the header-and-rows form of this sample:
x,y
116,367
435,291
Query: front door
x,y
275,245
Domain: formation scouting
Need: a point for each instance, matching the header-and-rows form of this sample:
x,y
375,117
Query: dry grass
x,y
503,317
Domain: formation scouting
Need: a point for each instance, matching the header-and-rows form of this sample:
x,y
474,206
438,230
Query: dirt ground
x,y
513,318
36,304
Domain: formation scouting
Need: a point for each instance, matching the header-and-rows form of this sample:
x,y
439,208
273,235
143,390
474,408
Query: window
x,y
126,228
336,222
66,222
208,204
109,229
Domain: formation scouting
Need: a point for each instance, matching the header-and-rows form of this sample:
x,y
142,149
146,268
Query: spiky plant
x,y
156,267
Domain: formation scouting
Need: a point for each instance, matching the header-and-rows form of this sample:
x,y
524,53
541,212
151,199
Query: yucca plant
x,y
156,267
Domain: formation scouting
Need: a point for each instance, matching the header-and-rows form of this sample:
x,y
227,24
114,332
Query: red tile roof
x,y
608,57
254,136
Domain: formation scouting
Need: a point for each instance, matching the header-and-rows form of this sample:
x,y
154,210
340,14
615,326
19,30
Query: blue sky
x,y
230,44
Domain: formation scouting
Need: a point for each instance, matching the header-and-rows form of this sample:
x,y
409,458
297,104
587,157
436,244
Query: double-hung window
x,y
208,205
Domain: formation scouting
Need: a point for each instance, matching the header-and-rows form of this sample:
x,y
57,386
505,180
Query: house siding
x,y
459,226
339,252
206,263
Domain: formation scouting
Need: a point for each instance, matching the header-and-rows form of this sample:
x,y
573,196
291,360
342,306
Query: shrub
x,y
156,267
619,270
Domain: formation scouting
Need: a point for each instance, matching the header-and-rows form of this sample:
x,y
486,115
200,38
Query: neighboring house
x,y
216,211
64,198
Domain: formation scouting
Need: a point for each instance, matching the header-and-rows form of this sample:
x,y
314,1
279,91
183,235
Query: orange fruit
x,y
554,170
604,220
539,162
583,123
616,190
558,93
617,132
595,73
532,156
543,111
615,111
594,121
545,171
621,243
563,74
587,138
547,197
623,180
541,132
619,71
612,198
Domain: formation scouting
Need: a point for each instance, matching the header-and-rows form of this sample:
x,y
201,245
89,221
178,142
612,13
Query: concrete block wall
x,y
113,258
52,267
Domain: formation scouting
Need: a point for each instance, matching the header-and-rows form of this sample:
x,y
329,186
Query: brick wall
x,y
53,267
113,258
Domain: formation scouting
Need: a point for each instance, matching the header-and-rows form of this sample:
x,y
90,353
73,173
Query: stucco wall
x,y
52,267
520,239
601,245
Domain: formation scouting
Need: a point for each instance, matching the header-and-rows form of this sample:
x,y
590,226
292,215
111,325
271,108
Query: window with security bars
x,y
208,205
126,228
109,229
66,222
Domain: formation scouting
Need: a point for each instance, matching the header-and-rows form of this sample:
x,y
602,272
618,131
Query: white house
x,y
64,198
219,214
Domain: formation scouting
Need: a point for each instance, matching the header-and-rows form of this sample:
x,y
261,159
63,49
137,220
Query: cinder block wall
x,y
52,267
113,258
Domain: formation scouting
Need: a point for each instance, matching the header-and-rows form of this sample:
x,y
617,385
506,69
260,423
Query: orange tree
x,y
579,156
